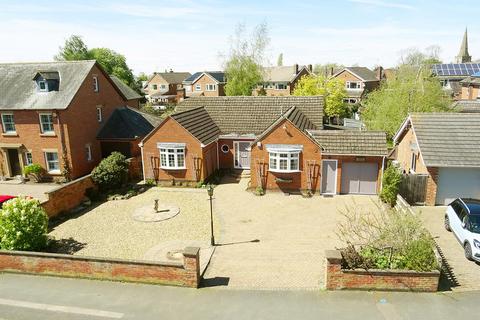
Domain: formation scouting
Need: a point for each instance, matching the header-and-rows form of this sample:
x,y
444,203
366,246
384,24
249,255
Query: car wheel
x,y
468,251
447,224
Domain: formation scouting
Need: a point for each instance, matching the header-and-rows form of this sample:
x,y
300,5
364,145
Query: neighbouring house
x,y
466,106
165,87
281,141
51,113
470,87
133,98
452,74
281,80
358,82
206,83
124,130
445,147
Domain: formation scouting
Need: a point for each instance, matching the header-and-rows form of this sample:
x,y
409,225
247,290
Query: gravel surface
x,y
110,231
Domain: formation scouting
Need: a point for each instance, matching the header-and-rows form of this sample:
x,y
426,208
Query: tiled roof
x,y
219,76
341,142
173,77
364,73
18,90
466,106
127,123
299,119
280,74
198,122
128,92
253,115
448,139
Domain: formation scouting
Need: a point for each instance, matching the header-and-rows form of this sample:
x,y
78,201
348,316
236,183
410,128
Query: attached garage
x,y
359,178
457,182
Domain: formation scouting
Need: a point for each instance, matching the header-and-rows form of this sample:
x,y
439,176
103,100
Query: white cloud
x,y
384,4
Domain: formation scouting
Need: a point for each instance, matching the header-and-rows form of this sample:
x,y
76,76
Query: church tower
x,y
463,55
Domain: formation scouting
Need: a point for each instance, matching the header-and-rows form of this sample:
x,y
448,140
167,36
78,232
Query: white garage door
x,y
359,178
457,182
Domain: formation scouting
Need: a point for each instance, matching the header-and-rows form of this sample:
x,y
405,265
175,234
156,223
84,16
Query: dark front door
x,y
15,168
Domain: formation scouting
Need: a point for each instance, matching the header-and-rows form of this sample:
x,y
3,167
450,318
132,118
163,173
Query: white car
x,y
463,219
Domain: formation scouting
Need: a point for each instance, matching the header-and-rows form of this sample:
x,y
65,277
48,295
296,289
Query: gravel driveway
x,y
110,231
464,274
293,234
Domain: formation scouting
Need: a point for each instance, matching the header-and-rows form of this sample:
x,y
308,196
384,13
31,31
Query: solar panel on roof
x,y
456,69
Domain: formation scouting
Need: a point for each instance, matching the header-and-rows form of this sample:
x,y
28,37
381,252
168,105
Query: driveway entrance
x,y
275,241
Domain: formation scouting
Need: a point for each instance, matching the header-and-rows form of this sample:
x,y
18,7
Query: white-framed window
x,y
284,161
88,152
28,158
154,87
280,86
8,123
99,114
353,85
46,123
51,160
42,86
163,86
95,84
413,163
198,87
210,87
173,158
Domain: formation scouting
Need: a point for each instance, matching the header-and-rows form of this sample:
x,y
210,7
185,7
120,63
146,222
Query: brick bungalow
x,y
280,139
445,147
51,113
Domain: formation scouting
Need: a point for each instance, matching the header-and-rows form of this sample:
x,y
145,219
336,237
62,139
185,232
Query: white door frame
x,y
336,176
235,148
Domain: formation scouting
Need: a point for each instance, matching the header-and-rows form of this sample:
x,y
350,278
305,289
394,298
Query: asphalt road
x,y
34,297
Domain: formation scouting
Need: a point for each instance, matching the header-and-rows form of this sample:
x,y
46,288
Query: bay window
x,y
172,155
284,162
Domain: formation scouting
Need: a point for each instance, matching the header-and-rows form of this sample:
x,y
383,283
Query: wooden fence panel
x,y
413,188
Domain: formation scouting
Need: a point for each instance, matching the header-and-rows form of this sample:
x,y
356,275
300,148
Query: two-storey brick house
x,y
51,113
207,83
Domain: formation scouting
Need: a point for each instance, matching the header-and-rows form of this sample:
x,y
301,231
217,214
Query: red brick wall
x,y
186,274
432,182
135,168
68,196
339,279
209,159
289,136
171,131
203,81
225,159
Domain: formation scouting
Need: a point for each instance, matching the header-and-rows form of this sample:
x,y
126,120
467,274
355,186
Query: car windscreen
x,y
474,221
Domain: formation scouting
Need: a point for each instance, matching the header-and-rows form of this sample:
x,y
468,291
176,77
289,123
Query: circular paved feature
x,y
148,214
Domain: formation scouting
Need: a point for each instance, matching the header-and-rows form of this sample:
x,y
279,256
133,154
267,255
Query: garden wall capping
x,y
337,278
185,274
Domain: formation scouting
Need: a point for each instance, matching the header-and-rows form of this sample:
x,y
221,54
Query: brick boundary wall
x,y
67,196
337,278
186,274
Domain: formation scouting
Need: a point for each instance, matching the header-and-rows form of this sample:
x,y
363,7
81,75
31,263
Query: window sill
x,y
52,134
173,168
10,134
54,172
284,171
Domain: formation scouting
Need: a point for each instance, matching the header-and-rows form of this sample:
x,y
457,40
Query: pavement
x,y
34,297
274,242
461,274
35,190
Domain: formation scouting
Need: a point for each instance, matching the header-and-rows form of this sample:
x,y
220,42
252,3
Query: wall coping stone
x,y
334,256
69,183
191,251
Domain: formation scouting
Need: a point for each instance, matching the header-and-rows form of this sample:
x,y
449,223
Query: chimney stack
x,y
331,71
380,73
295,66
310,68
180,96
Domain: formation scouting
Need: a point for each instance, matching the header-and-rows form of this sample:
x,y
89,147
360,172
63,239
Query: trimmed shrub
x,y
34,170
390,185
112,172
23,225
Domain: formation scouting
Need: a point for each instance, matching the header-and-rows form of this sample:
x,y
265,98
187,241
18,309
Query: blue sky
x,y
190,35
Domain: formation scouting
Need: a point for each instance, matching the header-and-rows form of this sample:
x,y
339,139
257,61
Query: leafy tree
x,y
413,89
243,66
325,69
111,172
332,89
23,225
392,177
74,49
112,62
280,60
